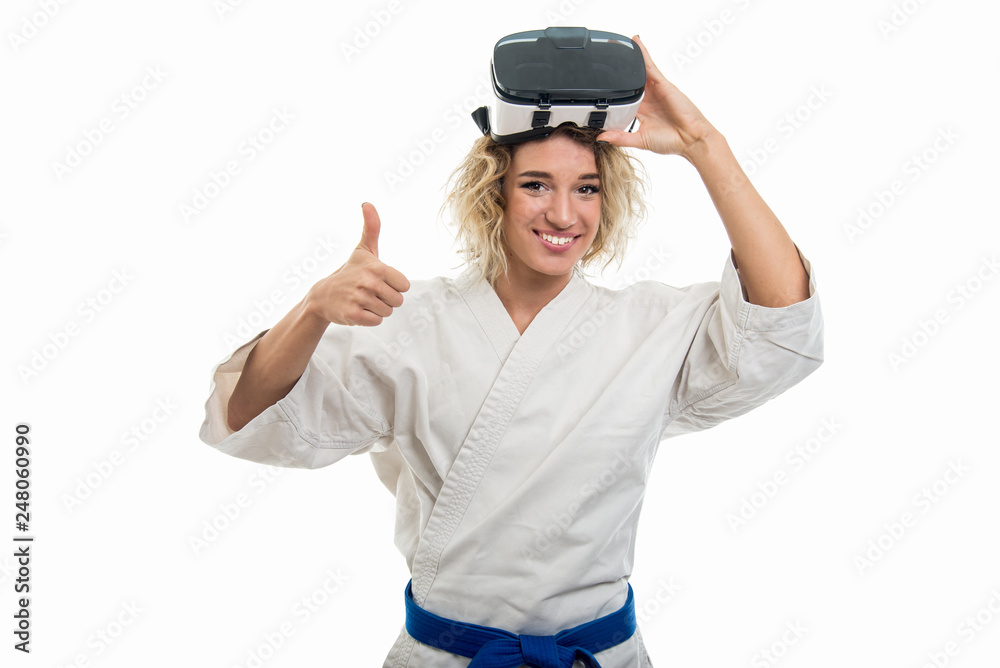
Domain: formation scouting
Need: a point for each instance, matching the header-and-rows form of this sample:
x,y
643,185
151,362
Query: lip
x,y
553,247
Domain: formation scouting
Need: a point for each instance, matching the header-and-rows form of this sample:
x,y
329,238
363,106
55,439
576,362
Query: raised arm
x,y
361,292
768,263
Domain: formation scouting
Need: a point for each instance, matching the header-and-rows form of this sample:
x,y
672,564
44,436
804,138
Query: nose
x,y
560,211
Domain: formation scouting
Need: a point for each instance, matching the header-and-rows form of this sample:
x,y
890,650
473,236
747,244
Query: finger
x,y
390,297
652,71
395,279
369,237
381,298
619,138
375,304
367,319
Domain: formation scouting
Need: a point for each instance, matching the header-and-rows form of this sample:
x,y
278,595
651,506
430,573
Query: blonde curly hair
x,y
475,198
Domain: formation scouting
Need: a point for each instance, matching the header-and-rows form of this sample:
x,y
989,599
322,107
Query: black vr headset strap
x,y
482,118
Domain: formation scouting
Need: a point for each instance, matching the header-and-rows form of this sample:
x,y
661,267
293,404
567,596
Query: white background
x,y
114,553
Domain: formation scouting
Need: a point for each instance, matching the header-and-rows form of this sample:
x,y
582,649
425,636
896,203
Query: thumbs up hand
x,y
364,290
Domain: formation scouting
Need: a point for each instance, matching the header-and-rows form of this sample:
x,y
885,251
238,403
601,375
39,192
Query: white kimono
x,y
519,462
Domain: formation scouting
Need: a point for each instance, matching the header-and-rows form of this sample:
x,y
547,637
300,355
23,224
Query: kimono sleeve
x,y
316,424
743,355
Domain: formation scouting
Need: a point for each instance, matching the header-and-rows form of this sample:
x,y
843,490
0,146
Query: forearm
x,y
769,266
275,364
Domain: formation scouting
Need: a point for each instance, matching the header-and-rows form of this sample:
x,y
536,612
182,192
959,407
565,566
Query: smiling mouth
x,y
555,239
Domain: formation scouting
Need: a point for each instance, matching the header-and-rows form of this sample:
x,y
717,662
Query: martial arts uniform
x,y
519,461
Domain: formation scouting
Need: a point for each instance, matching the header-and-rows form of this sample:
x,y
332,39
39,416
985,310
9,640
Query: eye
x,y
533,186
590,190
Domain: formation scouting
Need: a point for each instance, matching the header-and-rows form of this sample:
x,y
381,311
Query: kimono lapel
x,y
489,312
520,356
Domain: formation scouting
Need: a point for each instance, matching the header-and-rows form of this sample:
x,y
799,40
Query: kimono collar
x,y
497,323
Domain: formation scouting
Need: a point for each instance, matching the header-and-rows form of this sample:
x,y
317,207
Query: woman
x,y
515,411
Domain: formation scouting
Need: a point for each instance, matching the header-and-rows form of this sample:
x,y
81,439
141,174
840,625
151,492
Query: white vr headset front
x,y
544,78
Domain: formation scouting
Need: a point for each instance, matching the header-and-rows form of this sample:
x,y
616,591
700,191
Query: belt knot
x,y
540,651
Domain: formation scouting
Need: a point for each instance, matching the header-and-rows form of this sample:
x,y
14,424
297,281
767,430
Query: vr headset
x,y
543,78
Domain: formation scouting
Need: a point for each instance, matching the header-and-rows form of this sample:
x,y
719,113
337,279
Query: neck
x,y
524,296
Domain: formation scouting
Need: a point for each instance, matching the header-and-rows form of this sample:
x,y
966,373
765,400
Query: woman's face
x,y
553,207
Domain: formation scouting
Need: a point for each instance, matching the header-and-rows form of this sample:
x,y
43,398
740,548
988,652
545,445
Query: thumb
x,y
369,238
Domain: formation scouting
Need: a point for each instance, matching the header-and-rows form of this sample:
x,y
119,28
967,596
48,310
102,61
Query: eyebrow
x,y
546,175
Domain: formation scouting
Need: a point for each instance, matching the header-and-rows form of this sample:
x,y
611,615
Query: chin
x,y
556,268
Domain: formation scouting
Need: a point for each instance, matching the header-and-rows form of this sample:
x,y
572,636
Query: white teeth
x,y
559,241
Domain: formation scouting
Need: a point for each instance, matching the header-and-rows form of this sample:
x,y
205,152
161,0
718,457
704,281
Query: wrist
x,y
709,146
310,312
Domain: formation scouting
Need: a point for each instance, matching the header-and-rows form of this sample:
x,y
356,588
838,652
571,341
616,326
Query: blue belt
x,y
495,648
